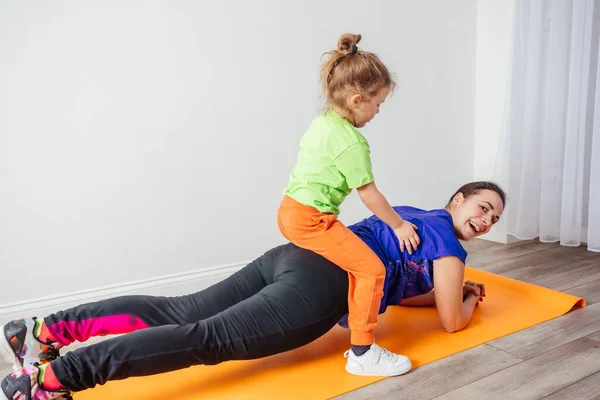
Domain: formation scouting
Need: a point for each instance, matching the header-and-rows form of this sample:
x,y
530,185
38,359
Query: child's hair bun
x,y
347,43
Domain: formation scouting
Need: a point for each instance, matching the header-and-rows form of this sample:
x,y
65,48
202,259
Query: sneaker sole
x,y
407,366
8,355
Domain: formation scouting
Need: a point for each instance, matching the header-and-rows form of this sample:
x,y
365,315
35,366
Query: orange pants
x,y
324,234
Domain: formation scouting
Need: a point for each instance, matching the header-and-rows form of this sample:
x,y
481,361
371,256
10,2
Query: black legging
x,y
285,299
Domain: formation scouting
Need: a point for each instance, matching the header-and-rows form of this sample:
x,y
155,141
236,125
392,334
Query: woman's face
x,y
475,215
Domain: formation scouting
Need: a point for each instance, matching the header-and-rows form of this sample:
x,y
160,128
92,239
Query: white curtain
x,y
549,157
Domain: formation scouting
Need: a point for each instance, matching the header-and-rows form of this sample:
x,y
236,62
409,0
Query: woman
x,y
285,299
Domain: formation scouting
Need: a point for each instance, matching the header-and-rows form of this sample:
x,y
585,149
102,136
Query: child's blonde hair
x,y
349,70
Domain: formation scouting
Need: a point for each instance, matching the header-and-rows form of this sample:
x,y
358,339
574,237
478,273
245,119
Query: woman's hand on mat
x,y
477,289
407,236
470,295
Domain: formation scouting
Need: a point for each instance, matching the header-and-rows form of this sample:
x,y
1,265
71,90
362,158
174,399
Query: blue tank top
x,y
409,275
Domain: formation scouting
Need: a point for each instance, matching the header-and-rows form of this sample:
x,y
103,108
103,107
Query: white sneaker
x,y
377,362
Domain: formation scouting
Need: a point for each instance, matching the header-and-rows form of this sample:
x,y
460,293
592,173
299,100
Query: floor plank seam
x,y
518,363
556,348
592,334
507,352
583,284
482,377
565,387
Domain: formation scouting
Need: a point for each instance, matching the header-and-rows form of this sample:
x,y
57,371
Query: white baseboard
x,y
169,285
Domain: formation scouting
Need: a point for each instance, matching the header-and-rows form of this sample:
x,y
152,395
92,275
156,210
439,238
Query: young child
x,y
334,158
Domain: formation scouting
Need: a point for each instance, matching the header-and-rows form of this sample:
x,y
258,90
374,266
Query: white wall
x,y
140,139
494,30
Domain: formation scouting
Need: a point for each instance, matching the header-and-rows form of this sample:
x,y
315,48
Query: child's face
x,y
364,111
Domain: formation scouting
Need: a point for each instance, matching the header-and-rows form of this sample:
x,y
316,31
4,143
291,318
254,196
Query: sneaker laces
x,y
385,353
49,353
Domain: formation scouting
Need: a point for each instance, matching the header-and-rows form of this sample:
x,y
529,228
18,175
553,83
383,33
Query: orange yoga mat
x,y
316,371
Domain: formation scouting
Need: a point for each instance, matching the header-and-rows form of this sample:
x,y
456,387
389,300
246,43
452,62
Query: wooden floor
x,y
556,360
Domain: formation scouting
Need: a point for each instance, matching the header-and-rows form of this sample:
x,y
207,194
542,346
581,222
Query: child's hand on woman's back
x,y
407,236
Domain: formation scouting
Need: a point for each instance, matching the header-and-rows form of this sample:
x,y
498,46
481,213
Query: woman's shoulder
x,y
436,231
437,218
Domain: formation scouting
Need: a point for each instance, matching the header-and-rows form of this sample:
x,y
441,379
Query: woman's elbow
x,y
450,328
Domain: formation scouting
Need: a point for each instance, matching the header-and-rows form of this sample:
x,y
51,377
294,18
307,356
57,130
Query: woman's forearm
x,y
468,306
422,300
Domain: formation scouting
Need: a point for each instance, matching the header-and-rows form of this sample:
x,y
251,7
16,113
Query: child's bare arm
x,y
376,202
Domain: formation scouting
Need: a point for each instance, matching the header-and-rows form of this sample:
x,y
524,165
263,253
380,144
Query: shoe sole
x,y
407,366
8,355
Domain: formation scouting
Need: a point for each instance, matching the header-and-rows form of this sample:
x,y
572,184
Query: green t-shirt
x,y
334,158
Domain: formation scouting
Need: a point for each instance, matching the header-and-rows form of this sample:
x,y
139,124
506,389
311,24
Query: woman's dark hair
x,y
473,188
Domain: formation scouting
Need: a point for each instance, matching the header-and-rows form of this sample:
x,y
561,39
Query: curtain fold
x,y
549,156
